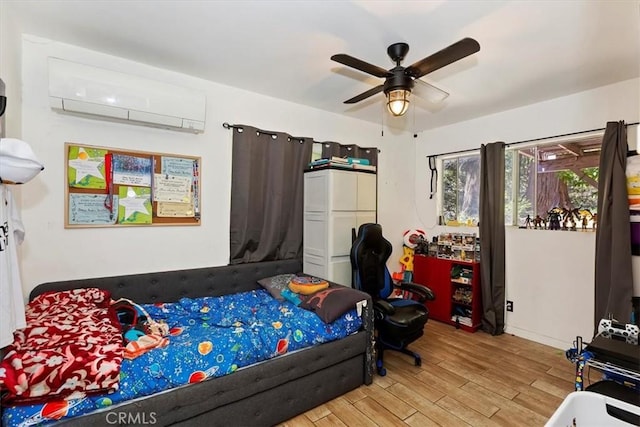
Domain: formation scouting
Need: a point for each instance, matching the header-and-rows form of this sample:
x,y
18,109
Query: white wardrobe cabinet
x,y
335,202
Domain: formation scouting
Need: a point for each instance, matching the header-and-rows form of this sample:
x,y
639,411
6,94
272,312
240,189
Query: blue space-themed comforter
x,y
209,337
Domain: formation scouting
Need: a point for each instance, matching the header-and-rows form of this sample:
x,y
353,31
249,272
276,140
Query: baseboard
x,y
542,339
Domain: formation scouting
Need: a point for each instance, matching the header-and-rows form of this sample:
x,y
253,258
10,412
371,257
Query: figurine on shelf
x,y
554,219
569,223
585,216
538,222
527,222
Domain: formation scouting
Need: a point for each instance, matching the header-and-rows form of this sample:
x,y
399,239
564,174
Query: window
x,y
553,181
461,189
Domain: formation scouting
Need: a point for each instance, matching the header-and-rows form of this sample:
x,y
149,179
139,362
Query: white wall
x,y
10,70
553,303
51,252
549,274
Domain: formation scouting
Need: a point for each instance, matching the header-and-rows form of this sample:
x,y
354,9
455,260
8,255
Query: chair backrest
x,y
369,254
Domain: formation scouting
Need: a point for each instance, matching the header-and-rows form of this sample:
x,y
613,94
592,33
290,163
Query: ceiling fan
x,y
400,81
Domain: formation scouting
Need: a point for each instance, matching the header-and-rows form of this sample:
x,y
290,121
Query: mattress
x,y
208,337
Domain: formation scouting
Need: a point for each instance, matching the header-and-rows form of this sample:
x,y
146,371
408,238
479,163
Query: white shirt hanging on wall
x,y
12,301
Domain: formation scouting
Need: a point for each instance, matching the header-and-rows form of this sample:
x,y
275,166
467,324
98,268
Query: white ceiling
x,y
530,50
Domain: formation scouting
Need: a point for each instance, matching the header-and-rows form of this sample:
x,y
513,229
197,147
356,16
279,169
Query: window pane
x,y
450,189
583,190
526,185
468,188
559,180
508,188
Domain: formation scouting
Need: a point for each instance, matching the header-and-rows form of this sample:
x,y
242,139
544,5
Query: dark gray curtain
x,y
267,185
492,270
613,276
330,149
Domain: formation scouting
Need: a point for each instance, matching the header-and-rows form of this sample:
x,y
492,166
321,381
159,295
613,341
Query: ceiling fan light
x,y
398,101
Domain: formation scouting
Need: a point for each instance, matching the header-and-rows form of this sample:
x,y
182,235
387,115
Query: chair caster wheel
x,y
418,361
382,372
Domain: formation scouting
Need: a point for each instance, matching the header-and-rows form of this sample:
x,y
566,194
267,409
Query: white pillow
x,y
18,162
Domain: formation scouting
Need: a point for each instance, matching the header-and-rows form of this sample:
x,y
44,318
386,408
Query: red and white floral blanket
x,y
72,345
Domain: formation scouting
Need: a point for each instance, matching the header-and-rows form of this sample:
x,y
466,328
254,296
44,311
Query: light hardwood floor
x,y
465,380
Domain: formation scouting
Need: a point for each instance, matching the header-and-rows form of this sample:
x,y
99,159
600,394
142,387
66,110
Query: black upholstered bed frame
x,y
260,395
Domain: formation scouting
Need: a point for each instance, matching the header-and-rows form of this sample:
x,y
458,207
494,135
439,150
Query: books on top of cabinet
x,y
342,162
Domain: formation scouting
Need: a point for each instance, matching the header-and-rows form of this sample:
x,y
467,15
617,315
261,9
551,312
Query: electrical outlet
x,y
509,305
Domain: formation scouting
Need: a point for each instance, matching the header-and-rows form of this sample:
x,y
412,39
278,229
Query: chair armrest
x,y
424,293
383,307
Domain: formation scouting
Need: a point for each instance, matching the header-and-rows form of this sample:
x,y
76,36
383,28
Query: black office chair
x,y
398,321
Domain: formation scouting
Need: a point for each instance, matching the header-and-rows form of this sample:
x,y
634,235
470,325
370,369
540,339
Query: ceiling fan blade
x,y
356,63
365,95
446,56
429,92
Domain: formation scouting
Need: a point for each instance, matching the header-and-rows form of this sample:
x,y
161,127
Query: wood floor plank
x,y
417,387
476,402
506,372
461,411
545,407
384,382
400,361
519,415
349,414
538,394
382,416
420,420
445,374
555,389
565,373
387,400
318,412
504,355
358,393
299,421
466,379
501,387
411,397
330,421
510,417
428,409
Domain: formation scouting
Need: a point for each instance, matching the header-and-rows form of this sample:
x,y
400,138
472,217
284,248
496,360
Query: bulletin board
x,y
109,187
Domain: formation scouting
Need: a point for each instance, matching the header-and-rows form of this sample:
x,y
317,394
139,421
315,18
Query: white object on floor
x,y
589,409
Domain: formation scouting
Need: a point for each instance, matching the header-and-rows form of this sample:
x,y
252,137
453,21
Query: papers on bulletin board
x,y
170,209
174,166
180,167
134,205
90,209
86,167
132,170
171,188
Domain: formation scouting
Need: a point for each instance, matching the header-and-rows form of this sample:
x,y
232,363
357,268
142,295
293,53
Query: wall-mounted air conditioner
x,y
104,94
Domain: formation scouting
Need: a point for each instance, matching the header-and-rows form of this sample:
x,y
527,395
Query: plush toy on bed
x,y
307,285
140,332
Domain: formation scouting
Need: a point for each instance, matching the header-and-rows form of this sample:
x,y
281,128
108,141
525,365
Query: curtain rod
x,y
273,134
240,129
529,140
